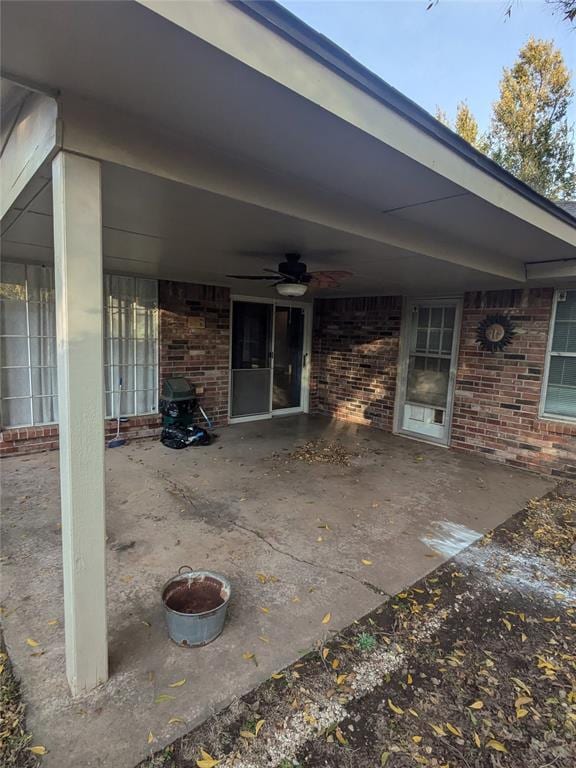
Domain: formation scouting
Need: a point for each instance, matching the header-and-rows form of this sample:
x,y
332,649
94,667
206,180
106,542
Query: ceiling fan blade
x,y
253,277
327,278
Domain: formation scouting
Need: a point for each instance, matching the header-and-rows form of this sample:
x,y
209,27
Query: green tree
x,y
465,125
530,135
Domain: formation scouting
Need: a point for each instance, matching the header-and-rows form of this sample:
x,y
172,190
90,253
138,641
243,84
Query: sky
x,y
438,57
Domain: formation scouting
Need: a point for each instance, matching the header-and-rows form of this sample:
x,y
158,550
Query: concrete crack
x,y
286,553
182,493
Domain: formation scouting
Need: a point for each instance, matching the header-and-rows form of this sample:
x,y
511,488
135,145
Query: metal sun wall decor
x,y
495,333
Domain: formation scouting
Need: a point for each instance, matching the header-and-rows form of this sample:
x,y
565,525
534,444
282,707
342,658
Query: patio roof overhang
x,y
277,149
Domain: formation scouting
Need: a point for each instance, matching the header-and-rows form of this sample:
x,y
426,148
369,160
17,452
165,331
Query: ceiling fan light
x,y
292,290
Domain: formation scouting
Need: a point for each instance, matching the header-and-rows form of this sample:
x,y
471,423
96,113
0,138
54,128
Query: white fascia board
x,y
236,33
30,137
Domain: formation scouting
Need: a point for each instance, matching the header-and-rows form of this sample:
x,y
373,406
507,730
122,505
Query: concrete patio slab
x,y
240,507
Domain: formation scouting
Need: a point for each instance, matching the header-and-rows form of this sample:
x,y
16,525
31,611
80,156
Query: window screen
x,y
561,386
28,383
130,345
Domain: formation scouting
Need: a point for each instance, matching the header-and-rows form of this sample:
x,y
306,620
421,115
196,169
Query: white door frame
x,y
306,361
402,374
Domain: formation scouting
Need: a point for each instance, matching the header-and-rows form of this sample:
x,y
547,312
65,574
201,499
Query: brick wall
x,y
354,359
24,440
194,323
497,395
195,341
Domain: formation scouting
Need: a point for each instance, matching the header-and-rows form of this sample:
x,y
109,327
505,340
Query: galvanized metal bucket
x,y
195,604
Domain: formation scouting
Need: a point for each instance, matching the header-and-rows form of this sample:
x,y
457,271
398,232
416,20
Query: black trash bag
x,y
181,437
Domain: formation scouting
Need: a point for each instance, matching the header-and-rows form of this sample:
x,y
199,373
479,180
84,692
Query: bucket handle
x,y
187,568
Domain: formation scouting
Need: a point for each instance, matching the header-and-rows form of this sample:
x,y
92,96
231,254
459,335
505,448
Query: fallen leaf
x,y
174,720
247,655
506,624
367,562
438,730
341,679
340,736
335,663
409,679
277,676
32,643
416,739
325,652
264,638
259,725
384,758
151,737
394,708
454,730
247,734
264,610
326,618
497,745
476,739
477,705
162,698
52,622
178,683
38,750
207,760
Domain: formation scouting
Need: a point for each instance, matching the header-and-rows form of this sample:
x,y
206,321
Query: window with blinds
x,y
28,378
560,395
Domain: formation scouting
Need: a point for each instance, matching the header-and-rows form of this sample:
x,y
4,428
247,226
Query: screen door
x,y
251,358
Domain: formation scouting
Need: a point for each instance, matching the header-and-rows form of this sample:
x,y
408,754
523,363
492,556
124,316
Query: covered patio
x,y
224,136
246,507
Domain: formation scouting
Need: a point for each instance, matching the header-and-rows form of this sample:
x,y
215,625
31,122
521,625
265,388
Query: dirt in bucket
x,y
194,596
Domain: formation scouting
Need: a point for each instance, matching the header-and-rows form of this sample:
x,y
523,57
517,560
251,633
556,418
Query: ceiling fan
x,y
292,278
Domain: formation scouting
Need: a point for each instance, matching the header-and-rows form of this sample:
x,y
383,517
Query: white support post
x,y
79,332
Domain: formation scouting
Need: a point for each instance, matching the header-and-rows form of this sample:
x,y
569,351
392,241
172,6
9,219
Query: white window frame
x,y
108,369
106,372
32,423
549,354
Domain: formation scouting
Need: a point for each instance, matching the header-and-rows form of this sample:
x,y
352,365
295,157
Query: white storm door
x,y
429,365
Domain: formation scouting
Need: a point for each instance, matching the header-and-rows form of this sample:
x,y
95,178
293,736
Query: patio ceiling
x,y
160,228
323,183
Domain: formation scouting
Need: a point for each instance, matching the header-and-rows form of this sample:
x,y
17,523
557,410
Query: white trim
x,y
402,374
304,406
542,414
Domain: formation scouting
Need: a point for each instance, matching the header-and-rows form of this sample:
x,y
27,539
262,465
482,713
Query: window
x,y
130,345
28,383
560,385
28,379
